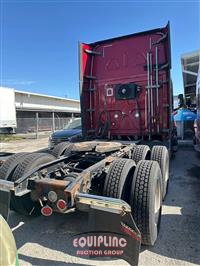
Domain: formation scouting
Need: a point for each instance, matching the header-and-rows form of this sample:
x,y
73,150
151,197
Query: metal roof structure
x,y
190,64
29,101
39,102
45,95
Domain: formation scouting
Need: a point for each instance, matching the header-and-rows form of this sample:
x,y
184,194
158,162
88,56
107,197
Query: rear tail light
x,y
61,205
46,211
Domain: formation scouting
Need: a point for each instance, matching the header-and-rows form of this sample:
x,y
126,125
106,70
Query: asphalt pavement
x,y
46,241
24,145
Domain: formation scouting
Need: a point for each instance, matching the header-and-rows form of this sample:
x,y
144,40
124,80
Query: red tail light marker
x,y
46,211
62,205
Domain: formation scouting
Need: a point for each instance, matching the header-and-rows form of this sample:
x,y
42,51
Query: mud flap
x,y
4,203
112,231
106,224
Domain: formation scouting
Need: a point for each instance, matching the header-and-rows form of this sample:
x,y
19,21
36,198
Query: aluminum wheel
x,y
157,203
166,175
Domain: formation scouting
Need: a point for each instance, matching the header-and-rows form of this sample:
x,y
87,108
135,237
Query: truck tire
x,y
10,164
68,150
174,143
60,149
24,204
146,200
175,148
141,152
161,155
119,179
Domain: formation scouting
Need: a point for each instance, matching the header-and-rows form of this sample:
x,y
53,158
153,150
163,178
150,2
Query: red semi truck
x,y
126,103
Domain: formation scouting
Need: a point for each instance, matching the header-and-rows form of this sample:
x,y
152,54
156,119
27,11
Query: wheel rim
x,y
166,177
157,203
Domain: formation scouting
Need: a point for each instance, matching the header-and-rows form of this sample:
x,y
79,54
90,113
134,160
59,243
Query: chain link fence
x,y
39,125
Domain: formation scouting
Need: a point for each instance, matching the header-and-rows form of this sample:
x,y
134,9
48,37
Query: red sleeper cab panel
x,y
111,68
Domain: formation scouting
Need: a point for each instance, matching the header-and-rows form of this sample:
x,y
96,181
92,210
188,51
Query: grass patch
x,y
9,137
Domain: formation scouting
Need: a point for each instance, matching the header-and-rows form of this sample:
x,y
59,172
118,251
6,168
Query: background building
x,y
190,64
176,101
39,112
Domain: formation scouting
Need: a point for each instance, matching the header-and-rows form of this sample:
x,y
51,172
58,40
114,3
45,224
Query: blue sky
x,y
39,39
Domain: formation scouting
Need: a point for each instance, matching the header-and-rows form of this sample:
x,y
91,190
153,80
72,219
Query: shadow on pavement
x,y
37,261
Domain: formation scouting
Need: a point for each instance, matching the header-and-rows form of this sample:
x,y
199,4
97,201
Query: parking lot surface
x,y
24,145
46,241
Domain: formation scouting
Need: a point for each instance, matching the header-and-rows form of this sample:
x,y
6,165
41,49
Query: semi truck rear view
x,y
125,87
126,103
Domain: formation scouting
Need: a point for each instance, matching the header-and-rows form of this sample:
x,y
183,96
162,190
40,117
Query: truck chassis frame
x,y
76,181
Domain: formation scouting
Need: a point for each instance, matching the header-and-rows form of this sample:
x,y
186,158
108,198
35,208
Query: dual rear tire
x,y
159,154
7,168
141,186
14,168
63,148
141,152
146,200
